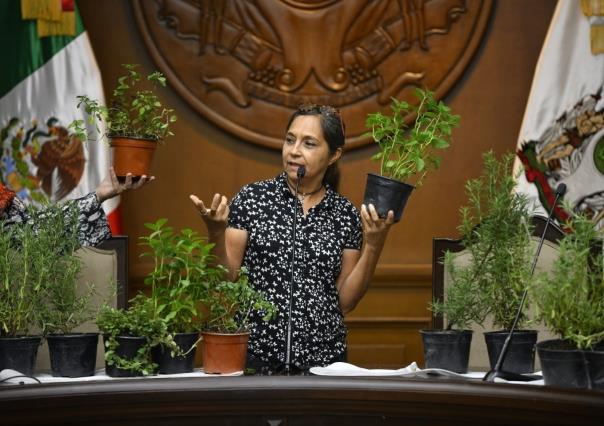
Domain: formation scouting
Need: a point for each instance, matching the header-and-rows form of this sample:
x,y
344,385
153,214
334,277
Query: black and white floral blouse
x,y
265,210
91,222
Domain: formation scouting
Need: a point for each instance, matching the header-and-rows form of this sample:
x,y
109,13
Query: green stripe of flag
x,y
22,52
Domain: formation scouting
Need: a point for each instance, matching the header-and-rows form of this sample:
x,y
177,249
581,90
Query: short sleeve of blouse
x,y
354,240
239,211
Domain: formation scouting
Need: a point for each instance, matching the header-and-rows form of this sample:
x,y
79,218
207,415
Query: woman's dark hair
x,y
333,129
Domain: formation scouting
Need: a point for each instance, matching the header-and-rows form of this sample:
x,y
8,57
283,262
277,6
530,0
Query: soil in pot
x,y
73,355
19,353
520,356
563,365
447,349
127,349
132,156
224,353
178,364
386,194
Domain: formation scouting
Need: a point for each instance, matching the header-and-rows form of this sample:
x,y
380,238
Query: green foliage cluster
x,y
134,111
231,303
407,152
22,278
570,299
38,270
181,276
137,321
187,293
496,230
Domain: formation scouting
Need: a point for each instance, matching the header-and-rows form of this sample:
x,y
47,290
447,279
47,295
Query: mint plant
x,y
408,151
134,111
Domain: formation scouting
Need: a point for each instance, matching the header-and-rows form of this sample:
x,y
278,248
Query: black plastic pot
x,y
128,347
386,194
562,364
72,355
179,364
447,349
19,353
594,361
520,357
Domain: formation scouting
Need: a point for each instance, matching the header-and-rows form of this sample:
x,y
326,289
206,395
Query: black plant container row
x,y
74,355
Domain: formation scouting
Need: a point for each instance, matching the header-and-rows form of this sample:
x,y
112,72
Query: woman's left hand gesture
x,y
375,229
111,186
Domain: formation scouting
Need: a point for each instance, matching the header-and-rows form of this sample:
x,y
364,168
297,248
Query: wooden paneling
x,y
202,159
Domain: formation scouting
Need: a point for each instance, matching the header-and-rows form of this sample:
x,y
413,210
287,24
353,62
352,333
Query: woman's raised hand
x,y
217,215
375,229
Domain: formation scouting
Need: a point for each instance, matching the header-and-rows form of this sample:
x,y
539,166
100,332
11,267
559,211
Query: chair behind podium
x,y
106,266
479,358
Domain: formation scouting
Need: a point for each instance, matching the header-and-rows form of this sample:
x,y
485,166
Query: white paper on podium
x,y
344,369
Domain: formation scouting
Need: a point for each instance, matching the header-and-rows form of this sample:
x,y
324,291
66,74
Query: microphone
x,y
497,371
300,174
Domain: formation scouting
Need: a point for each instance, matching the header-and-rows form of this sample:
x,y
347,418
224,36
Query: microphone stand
x,y
300,173
497,371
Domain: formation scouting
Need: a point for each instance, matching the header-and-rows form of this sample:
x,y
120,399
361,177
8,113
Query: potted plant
x,y
179,280
135,121
463,304
496,228
64,306
129,335
22,275
227,330
405,152
570,301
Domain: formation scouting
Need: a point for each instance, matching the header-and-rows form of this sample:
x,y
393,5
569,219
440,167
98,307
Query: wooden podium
x,y
301,400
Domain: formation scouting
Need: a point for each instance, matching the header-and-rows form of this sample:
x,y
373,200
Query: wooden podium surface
x,y
297,400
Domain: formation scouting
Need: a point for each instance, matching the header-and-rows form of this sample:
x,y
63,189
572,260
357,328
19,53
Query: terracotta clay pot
x,y
224,353
132,156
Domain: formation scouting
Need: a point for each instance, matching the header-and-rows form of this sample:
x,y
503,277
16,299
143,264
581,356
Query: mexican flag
x,y
47,61
562,135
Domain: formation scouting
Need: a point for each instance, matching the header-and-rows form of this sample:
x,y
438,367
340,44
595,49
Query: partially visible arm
x,y
358,266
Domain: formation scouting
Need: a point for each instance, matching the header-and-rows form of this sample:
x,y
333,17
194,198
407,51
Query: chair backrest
x,y
105,266
479,359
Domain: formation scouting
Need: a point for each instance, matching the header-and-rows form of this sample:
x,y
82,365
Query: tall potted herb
x,y
227,330
463,304
405,152
22,275
135,120
64,305
570,301
497,228
180,279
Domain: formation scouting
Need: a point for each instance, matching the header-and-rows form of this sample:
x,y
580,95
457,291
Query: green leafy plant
x,y
136,321
496,230
570,299
20,289
463,302
64,306
231,304
404,151
134,111
38,270
181,276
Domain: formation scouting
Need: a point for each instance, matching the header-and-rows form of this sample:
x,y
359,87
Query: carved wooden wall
x,y
246,65
203,158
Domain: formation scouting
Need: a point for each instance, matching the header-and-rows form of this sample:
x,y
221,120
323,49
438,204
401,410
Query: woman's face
x,y
305,146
